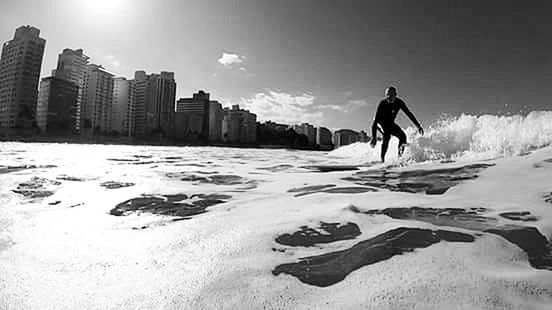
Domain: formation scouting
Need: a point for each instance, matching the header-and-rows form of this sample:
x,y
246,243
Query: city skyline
x,y
315,62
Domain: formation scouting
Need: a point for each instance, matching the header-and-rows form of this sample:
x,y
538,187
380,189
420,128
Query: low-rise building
x,y
239,126
324,138
343,137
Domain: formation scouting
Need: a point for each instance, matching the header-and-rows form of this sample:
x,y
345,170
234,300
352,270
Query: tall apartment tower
x,y
72,66
97,100
153,103
20,65
56,106
122,101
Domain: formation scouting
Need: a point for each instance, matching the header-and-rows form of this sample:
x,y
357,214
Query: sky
x,y
319,61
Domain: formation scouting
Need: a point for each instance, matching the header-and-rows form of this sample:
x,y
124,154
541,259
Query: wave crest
x,y
465,137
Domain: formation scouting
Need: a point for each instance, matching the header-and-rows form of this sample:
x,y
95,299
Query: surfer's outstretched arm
x,y
412,118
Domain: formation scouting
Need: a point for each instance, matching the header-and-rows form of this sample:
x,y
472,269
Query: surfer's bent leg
x,y
399,133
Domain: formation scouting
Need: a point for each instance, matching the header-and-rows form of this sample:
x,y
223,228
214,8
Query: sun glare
x,y
104,8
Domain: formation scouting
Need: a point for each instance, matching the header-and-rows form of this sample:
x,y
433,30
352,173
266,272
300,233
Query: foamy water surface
x,y
463,222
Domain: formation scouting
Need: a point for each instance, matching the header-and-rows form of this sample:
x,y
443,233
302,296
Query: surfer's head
x,y
391,94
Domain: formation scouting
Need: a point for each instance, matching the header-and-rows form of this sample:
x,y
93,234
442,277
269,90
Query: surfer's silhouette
x,y
385,118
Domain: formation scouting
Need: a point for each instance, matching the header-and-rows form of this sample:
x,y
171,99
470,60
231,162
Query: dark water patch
x,y
211,196
310,188
447,161
330,188
277,168
179,205
523,216
330,168
529,239
189,175
225,179
8,169
145,162
36,187
142,156
548,198
543,163
325,233
431,182
193,178
191,165
453,217
524,153
349,190
72,178
115,185
174,158
123,159
330,268
221,179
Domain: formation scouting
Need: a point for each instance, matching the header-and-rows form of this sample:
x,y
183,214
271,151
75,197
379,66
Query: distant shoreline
x,y
131,141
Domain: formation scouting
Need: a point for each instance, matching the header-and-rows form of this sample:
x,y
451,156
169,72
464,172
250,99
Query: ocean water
x,y
463,221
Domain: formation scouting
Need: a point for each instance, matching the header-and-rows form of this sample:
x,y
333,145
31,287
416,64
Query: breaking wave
x,y
466,137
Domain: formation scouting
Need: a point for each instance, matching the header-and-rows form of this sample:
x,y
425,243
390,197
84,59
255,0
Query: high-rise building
x,y
122,101
239,126
97,100
192,117
72,67
56,110
20,65
154,103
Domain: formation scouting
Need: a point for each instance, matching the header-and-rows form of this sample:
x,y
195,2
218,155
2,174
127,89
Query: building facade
x,y
307,130
122,102
239,126
97,100
72,67
216,116
192,117
324,138
153,104
345,136
56,111
20,65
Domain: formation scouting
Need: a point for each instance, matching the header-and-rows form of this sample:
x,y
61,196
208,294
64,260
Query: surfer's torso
x,y
387,111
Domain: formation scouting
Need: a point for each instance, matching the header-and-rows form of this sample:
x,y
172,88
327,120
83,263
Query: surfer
x,y
385,118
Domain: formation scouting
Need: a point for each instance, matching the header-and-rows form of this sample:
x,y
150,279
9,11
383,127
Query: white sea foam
x,y
76,255
466,137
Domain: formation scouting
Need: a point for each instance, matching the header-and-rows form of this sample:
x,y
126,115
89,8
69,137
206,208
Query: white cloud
x,y
283,107
349,105
358,102
332,107
228,59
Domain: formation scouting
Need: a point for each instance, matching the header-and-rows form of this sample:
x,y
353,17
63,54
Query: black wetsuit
x,y
385,117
